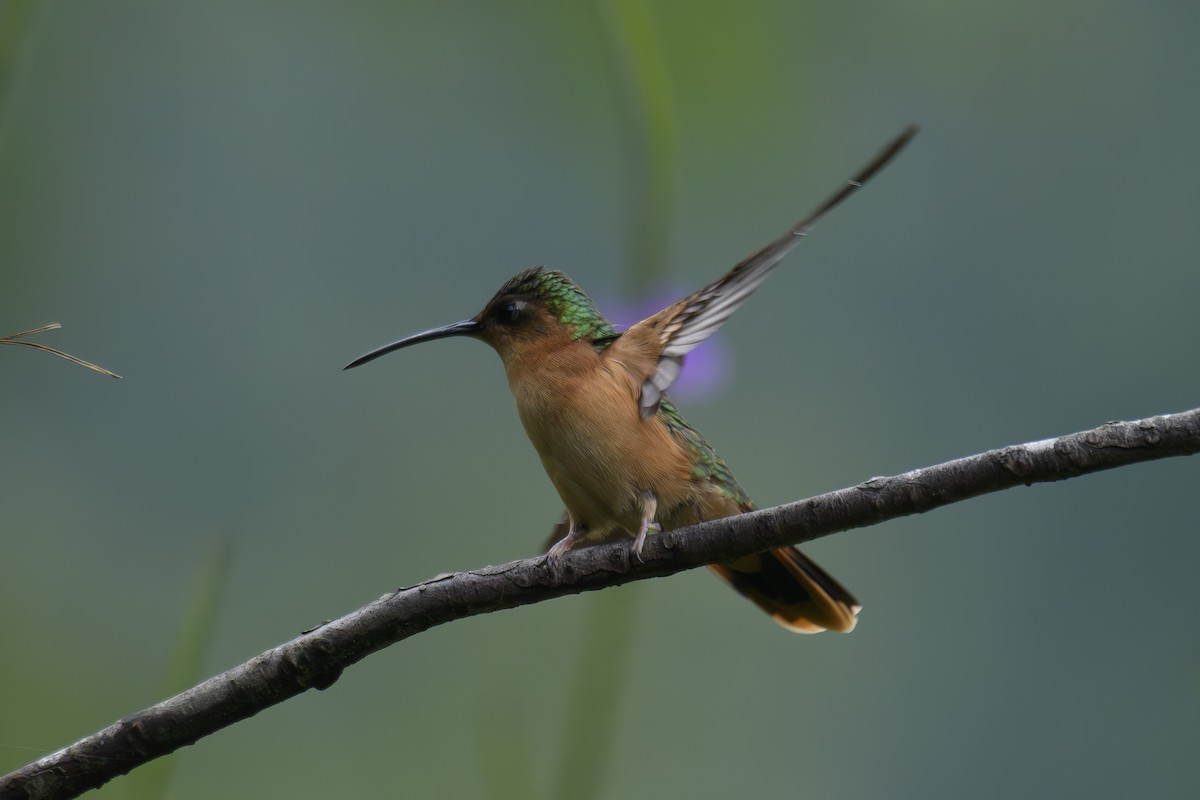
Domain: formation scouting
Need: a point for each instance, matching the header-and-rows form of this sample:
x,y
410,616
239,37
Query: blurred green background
x,y
225,202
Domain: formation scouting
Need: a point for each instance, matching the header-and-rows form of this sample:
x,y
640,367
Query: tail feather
x,y
796,592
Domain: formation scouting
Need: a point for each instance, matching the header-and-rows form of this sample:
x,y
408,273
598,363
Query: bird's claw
x,y
640,541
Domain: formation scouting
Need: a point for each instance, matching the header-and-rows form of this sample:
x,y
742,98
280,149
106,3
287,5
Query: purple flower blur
x,y
706,370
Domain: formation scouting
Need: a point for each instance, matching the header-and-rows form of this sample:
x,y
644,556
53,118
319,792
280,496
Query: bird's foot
x,y
649,509
560,547
574,535
640,541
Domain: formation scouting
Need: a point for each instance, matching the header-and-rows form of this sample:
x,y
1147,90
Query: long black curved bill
x,y
464,328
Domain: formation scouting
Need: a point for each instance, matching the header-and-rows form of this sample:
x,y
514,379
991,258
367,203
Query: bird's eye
x,y
509,312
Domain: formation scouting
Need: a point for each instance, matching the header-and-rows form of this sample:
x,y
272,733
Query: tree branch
x,y
315,659
45,348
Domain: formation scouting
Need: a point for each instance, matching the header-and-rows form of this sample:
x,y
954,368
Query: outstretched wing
x,y
654,348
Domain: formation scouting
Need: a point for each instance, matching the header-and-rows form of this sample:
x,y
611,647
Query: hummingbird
x,y
593,402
